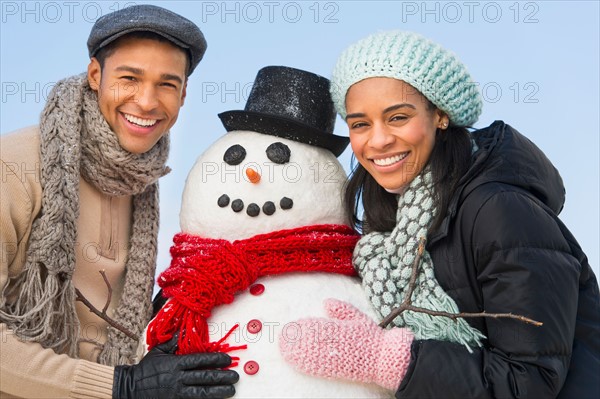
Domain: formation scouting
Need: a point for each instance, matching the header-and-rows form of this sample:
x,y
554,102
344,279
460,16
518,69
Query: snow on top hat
x,y
292,104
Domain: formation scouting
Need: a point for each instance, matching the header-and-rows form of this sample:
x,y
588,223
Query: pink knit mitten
x,y
349,345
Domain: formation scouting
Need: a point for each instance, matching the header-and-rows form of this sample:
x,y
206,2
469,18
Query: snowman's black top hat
x,y
292,104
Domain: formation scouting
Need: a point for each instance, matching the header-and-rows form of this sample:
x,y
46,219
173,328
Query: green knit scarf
x,y
385,260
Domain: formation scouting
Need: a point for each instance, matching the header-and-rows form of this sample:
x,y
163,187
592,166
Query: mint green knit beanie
x,y
434,71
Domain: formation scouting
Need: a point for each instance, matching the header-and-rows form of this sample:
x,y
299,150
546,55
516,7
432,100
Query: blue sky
x,y
536,63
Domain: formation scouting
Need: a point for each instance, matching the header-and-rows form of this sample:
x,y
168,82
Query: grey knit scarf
x,y
77,141
385,260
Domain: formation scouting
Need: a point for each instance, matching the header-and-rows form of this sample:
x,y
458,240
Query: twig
x,y
411,287
407,302
109,297
102,314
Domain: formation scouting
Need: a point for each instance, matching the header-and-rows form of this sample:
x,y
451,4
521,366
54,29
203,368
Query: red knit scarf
x,y
206,272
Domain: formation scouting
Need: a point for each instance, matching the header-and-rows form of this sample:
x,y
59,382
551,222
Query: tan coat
x,y
104,224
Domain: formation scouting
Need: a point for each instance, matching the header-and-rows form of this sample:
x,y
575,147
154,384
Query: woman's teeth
x,y
390,160
139,121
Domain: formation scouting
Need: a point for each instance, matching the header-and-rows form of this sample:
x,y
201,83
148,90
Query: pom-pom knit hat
x,y
432,70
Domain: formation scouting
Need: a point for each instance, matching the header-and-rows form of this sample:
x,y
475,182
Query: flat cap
x,y
148,18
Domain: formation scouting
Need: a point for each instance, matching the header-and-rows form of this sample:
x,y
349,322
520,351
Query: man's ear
x,y
184,92
94,74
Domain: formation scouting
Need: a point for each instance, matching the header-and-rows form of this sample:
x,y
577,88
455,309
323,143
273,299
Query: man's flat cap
x,y
148,18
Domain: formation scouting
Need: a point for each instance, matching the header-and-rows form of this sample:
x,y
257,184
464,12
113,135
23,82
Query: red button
x,y
257,289
251,367
254,326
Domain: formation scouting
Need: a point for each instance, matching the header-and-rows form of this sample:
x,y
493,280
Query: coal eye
x,y
278,152
234,155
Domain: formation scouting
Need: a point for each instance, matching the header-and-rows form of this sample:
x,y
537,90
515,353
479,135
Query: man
x,y
79,221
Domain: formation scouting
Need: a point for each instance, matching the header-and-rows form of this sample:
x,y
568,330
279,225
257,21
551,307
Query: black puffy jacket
x,y
502,249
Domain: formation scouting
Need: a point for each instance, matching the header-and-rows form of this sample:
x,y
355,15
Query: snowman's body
x,y
312,178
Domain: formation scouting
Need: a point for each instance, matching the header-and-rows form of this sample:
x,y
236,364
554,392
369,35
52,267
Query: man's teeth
x,y
390,160
140,121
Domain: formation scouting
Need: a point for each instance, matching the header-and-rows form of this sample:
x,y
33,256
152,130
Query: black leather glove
x,y
163,375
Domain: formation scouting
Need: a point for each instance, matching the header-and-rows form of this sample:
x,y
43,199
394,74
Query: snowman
x,y
264,239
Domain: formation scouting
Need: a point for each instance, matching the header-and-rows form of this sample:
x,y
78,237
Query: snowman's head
x,y
249,183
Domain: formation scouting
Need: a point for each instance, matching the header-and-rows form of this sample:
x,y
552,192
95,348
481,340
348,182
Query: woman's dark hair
x,y
449,160
111,47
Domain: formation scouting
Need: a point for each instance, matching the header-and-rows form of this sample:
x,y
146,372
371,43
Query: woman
x,y
486,203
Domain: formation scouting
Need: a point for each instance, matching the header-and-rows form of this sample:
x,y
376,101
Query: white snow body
x,y
313,178
286,299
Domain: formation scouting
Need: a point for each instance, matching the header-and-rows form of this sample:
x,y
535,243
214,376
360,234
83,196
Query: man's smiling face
x,y
141,87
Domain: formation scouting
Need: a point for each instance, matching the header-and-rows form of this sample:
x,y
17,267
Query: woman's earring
x,y
444,125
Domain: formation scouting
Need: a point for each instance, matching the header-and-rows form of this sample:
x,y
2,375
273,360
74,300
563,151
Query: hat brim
x,y
118,35
284,128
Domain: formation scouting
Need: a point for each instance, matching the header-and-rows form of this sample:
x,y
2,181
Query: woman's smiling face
x,y
392,129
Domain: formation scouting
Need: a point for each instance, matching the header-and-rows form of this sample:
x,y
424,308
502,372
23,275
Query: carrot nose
x,y
253,175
